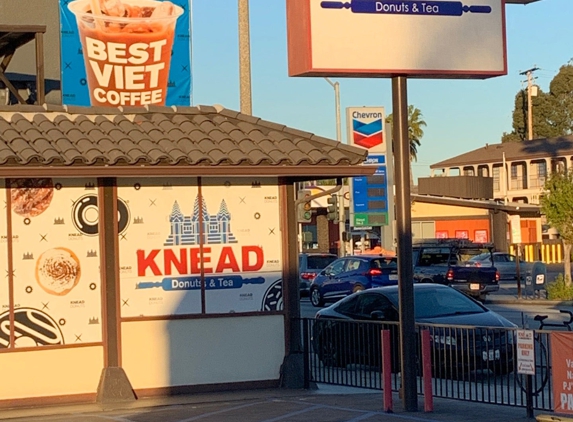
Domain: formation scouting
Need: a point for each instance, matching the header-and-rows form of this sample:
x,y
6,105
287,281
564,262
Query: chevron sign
x,y
366,127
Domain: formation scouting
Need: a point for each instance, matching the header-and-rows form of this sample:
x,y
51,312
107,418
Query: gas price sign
x,y
370,195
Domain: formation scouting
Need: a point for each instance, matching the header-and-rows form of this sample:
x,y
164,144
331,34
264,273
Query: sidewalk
x,y
326,404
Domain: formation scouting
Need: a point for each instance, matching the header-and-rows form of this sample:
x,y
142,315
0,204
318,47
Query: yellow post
x,y
559,254
552,254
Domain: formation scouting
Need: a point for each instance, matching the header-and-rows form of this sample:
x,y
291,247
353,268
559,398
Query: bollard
x,y
427,371
386,370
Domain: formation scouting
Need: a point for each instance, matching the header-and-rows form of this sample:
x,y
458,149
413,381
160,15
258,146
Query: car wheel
x,y
357,288
316,298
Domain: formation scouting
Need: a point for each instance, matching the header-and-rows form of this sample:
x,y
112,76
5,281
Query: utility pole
x,y
245,58
529,74
342,216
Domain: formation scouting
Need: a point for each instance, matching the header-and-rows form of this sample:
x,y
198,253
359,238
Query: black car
x,y
352,274
309,265
465,335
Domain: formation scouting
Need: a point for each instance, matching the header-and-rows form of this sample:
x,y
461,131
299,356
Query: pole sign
x,y
515,228
370,198
363,38
525,352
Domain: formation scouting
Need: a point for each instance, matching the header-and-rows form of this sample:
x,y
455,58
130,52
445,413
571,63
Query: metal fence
x,y
475,364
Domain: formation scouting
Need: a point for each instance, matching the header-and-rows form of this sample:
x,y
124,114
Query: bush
x,y
560,289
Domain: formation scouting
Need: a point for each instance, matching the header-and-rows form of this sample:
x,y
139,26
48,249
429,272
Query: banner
x,y
126,52
193,247
562,372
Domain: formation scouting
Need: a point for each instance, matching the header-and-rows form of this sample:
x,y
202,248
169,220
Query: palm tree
x,y
416,126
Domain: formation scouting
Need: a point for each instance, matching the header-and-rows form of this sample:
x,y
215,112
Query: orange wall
x,y
451,226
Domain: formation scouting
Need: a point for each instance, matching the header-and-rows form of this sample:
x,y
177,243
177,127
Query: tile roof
x,y
202,139
537,148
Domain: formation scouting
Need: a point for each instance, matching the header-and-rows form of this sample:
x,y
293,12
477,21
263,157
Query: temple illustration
x,y
185,229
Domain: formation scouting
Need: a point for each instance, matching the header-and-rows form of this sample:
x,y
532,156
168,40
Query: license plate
x,y
474,286
491,355
393,277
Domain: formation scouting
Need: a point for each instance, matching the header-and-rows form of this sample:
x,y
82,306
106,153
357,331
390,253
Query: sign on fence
x,y
525,352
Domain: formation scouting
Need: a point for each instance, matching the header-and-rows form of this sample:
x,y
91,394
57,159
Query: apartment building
x,y
518,169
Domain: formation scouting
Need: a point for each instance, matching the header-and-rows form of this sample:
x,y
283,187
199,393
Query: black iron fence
x,y
477,364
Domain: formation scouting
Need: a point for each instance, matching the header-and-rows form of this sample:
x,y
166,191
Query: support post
x,y
114,386
401,145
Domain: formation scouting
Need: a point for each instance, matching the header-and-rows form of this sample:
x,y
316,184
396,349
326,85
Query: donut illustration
x,y
273,298
31,197
32,328
58,271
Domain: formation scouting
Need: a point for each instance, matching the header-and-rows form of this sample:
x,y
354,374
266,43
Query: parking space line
x,y
218,412
298,412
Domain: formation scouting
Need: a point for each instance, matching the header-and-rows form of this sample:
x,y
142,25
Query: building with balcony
x,y
518,169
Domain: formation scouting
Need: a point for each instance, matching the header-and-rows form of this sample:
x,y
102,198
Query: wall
x,y
422,210
36,12
203,351
51,372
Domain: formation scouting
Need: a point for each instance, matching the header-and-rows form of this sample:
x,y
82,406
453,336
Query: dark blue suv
x,y
352,274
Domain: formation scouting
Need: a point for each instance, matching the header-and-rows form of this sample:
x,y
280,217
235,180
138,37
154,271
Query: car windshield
x,y
436,303
481,257
318,262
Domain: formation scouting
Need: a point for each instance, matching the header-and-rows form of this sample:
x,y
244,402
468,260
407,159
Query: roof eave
x,y
301,172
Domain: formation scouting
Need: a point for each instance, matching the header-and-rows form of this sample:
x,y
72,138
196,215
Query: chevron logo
x,y
367,135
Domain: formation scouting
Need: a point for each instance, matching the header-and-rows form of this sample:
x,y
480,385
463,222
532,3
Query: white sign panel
x,y
525,352
515,226
430,38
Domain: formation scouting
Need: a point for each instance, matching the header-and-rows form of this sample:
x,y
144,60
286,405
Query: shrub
x,y
560,289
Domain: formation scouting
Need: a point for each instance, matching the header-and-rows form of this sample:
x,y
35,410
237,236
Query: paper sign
x,y
562,371
525,352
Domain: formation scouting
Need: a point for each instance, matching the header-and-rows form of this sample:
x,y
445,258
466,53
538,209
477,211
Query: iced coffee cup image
x,y
127,48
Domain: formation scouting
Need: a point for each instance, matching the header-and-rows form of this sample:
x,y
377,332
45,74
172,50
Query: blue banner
x,y
139,53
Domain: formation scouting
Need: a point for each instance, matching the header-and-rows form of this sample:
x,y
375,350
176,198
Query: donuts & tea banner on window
x,y
126,52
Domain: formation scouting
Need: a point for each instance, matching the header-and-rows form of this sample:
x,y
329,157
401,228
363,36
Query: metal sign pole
x,y
404,231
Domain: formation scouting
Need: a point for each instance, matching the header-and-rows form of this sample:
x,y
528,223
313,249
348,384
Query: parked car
x,y
444,261
465,334
352,274
309,265
532,272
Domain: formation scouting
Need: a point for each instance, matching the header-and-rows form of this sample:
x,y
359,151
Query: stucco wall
x,y
203,351
422,210
45,373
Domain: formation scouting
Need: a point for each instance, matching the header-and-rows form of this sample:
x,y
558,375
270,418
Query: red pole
x,y
427,371
386,370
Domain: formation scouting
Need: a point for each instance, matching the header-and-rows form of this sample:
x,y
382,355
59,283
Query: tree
x,y
557,205
415,129
552,111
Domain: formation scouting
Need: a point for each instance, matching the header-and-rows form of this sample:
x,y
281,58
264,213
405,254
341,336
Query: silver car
x,y
531,272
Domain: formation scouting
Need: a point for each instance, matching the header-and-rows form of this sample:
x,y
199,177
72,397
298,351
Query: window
x,y
336,267
353,264
368,303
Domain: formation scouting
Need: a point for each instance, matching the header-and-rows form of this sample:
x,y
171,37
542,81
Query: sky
x,y
461,115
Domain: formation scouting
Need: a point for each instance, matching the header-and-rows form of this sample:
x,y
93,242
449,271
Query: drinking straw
x,y
96,10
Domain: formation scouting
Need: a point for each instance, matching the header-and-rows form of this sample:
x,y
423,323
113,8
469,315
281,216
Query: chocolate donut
x,y
31,197
58,271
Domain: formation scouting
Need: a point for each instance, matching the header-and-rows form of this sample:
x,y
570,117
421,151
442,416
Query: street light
x,y
341,216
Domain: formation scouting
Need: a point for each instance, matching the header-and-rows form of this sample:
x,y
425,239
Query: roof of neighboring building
x,y
152,141
525,210
537,148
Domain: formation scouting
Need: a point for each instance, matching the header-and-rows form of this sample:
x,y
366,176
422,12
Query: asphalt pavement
x,y
324,404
